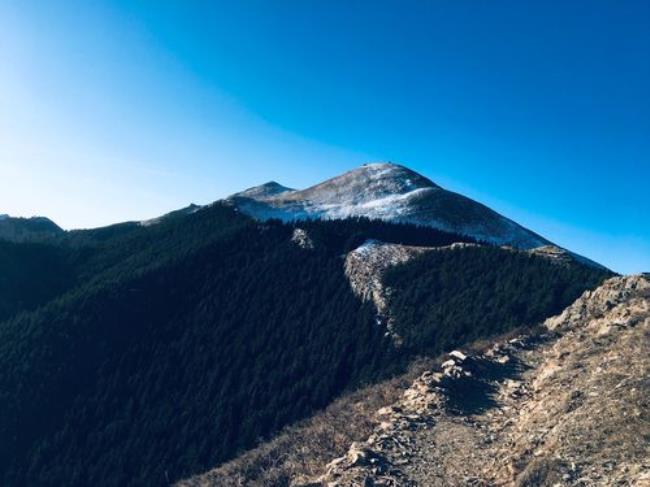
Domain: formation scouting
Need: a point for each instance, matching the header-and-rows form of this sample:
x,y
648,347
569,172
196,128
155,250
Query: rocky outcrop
x,y
553,253
366,265
302,239
564,406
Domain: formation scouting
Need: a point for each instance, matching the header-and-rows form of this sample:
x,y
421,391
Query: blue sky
x,y
116,110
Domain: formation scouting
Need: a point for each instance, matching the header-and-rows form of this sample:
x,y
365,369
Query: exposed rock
x,y
302,239
553,253
567,406
458,355
365,267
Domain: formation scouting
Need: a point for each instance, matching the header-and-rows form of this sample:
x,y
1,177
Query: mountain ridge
x,y
20,229
174,346
383,191
391,192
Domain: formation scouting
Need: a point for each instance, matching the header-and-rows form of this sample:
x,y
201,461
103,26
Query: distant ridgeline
x,y
27,229
142,354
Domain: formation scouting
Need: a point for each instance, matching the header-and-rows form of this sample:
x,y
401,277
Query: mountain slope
x,y
156,313
389,192
31,274
383,191
180,344
562,405
32,229
145,352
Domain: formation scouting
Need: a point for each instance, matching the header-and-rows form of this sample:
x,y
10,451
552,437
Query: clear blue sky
x,y
120,110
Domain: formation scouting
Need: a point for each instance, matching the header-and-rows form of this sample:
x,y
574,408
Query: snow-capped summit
x,y
371,185
391,192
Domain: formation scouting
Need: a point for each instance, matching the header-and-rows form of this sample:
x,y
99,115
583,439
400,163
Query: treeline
x,y
344,235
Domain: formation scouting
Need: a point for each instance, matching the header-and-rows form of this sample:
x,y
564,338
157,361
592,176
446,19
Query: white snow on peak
x,y
384,191
390,192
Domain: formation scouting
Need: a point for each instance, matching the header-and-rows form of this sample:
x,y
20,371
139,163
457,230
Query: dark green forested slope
x,y
447,298
182,343
31,274
173,347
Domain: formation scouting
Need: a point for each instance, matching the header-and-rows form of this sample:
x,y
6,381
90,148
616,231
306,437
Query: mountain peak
x,y
263,191
368,188
399,177
390,192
